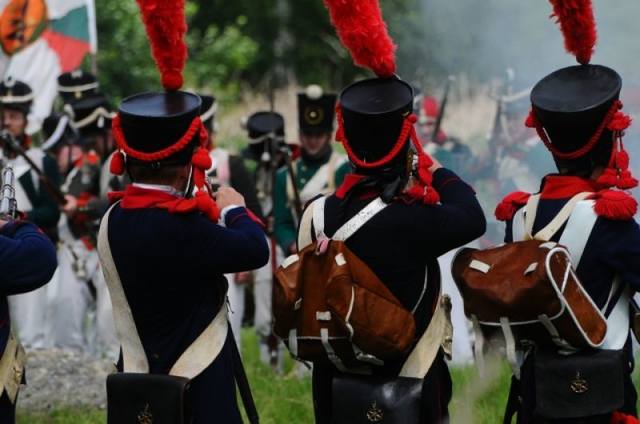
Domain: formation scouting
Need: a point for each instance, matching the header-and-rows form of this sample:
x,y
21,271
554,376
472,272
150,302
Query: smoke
x,y
484,37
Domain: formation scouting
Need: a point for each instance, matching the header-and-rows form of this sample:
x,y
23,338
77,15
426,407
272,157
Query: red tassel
x,y
201,159
532,120
166,26
620,418
506,209
207,205
424,163
117,163
626,181
362,30
426,194
619,122
608,178
431,196
615,205
622,160
578,27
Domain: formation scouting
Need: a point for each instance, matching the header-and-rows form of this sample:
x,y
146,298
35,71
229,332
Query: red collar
x,y
349,181
139,198
563,187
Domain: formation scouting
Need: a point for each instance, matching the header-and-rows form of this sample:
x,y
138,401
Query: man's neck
x,y
160,187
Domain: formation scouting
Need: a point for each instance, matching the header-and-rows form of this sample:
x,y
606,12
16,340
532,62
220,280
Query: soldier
x,y
415,211
449,151
318,170
76,85
520,158
166,246
34,198
576,113
27,262
80,284
229,170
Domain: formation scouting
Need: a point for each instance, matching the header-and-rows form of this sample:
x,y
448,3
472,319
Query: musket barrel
x,y
8,194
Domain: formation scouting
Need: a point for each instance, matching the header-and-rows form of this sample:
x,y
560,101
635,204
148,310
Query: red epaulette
x,y
510,205
615,205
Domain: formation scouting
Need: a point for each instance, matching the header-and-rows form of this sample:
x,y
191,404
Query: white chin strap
x,y
189,193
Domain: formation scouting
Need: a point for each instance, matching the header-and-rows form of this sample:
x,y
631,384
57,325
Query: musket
x,y
13,144
297,203
443,107
8,204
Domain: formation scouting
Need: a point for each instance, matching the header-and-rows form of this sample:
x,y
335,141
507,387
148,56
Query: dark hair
x,y
154,172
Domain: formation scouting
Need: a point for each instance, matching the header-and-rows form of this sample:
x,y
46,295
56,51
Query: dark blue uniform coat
x,y
171,267
27,262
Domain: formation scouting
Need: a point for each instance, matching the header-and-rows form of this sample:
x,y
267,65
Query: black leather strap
x,y
243,382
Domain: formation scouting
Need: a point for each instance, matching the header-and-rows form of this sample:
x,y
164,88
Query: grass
x,y
477,398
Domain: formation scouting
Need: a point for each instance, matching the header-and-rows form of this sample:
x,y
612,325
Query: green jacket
x,y
285,224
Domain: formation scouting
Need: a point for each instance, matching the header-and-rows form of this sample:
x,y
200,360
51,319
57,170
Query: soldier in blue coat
x,y
27,262
171,248
577,114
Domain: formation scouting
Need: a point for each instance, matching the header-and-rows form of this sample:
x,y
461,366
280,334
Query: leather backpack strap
x,y
133,356
198,356
579,226
318,217
350,227
529,216
421,358
306,226
556,223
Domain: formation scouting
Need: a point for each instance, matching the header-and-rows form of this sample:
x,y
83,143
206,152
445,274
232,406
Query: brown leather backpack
x,y
529,289
531,286
328,304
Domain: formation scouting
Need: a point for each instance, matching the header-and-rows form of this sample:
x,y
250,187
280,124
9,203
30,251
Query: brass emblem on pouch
x,y
374,414
145,416
579,385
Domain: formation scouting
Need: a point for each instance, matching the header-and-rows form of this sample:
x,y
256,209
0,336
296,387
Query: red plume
x,y
362,30
166,25
578,27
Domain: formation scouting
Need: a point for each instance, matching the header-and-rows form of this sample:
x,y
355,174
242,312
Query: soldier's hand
x,y
226,196
71,206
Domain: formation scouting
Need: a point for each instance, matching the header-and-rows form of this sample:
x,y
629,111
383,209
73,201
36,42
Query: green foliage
x,y
217,56
64,416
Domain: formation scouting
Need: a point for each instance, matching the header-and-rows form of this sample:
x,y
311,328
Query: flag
x,y
41,39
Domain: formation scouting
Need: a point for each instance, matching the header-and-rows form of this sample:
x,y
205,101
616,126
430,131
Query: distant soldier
x,y
318,170
450,151
80,284
229,170
266,153
76,85
35,200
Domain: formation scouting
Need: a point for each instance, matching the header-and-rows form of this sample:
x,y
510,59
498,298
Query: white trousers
x,y
29,315
77,318
71,298
262,301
